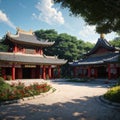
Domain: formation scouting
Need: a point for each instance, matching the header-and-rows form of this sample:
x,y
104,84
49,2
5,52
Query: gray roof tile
x,y
30,59
104,44
28,39
109,58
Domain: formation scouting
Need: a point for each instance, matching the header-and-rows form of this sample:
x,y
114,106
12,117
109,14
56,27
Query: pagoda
x,y
102,61
25,58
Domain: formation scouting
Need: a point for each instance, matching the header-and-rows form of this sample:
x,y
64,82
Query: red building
x,y
25,58
103,61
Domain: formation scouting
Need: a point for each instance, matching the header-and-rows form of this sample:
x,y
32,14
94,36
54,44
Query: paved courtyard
x,y
70,101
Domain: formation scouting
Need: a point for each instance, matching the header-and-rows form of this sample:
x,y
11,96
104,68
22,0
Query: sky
x,y
44,14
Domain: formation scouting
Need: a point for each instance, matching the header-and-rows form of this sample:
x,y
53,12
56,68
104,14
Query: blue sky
x,y
44,14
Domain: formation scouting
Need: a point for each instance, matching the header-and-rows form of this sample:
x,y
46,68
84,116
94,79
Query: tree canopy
x,y
2,46
105,14
50,34
115,42
66,46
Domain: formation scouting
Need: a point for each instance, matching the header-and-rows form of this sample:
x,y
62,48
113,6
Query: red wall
x,y
101,50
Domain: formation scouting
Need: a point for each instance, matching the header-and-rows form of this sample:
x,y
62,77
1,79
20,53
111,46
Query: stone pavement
x,y
70,101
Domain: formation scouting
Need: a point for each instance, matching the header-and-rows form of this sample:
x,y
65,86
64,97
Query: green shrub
x,y
1,78
5,90
20,85
113,94
3,84
1,81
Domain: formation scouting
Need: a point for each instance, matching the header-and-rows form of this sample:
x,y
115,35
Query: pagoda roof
x,y
104,44
94,60
27,38
30,59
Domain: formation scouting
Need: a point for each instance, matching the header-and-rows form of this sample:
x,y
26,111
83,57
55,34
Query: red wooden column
x,y
109,72
44,72
23,50
89,72
15,48
49,72
41,51
58,67
13,72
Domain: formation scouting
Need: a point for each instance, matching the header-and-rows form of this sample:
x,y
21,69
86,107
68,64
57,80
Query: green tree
x,y
3,47
88,46
115,42
65,47
105,14
49,35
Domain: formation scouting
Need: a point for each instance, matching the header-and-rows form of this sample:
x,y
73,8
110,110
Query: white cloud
x,y
48,13
5,19
88,33
87,30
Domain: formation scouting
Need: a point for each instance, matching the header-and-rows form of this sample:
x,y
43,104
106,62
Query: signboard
x,y
30,66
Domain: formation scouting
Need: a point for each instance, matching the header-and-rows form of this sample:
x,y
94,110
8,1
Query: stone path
x,y
71,101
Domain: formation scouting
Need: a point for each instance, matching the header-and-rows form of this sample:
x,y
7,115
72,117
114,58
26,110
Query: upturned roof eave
x,y
16,39
29,43
102,43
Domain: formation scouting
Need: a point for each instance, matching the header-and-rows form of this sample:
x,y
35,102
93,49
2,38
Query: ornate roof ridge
x,y
12,35
19,30
27,38
103,43
55,57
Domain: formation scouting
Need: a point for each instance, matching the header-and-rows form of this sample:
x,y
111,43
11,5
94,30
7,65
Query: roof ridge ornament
x,y
8,33
19,30
102,35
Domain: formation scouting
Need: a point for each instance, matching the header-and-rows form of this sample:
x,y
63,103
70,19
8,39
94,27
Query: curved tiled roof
x,y
102,43
27,39
110,58
30,59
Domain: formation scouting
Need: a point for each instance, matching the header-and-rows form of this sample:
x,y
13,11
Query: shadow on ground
x,y
92,83
76,109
